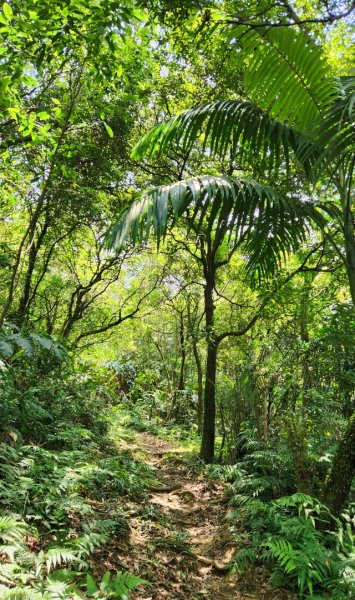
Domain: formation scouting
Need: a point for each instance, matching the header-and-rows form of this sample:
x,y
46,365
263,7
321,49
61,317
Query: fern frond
x,y
244,559
20,593
12,529
125,582
55,557
283,551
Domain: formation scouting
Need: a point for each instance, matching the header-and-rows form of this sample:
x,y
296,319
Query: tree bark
x,y
181,384
32,258
209,401
348,229
338,483
209,405
199,385
193,326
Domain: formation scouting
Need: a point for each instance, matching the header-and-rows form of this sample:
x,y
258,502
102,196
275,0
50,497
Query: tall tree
x,y
319,136
238,212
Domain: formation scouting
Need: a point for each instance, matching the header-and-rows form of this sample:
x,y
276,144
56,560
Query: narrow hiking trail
x,y
191,506
179,541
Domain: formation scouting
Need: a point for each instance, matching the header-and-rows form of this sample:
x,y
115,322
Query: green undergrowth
x,y
64,480
126,419
291,533
49,529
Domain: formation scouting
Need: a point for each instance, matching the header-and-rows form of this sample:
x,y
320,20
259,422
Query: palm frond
x,y
284,71
267,223
337,133
229,126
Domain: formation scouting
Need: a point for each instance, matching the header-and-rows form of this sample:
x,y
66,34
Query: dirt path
x,y
178,540
190,507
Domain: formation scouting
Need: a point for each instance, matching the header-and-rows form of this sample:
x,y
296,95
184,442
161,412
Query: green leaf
x,y
91,586
108,129
124,582
29,81
6,350
106,580
7,10
42,341
283,69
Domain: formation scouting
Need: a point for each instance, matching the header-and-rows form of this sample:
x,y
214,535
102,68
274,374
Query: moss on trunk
x,y
338,483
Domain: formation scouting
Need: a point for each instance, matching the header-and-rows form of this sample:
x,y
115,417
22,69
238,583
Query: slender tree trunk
x,y
32,226
307,377
224,432
181,384
338,484
209,401
350,250
193,333
209,405
347,202
32,258
199,385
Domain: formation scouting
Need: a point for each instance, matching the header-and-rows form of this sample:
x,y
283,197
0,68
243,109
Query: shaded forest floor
x,y
179,541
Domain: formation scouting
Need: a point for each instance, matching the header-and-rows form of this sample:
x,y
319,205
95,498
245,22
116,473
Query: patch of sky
x,y
130,178
210,82
164,71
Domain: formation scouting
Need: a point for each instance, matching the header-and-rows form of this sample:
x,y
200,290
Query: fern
x,y
123,583
225,472
118,586
283,551
12,529
282,532
56,557
244,559
20,593
310,507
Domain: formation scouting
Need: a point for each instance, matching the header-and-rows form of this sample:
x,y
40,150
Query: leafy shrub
x,y
305,547
117,586
26,575
299,555
117,475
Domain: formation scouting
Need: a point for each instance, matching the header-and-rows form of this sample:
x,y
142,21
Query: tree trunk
x,y
209,400
305,301
349,239
181,384
199,386
209,405
32,258
193,334
338,484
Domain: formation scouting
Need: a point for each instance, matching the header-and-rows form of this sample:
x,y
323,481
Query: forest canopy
x,y
177,291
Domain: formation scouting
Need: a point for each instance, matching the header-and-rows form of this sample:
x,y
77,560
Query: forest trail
x,y
179,541
191,506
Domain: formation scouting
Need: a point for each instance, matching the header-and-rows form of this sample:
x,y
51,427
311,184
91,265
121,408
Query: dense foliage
x,y
177,257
